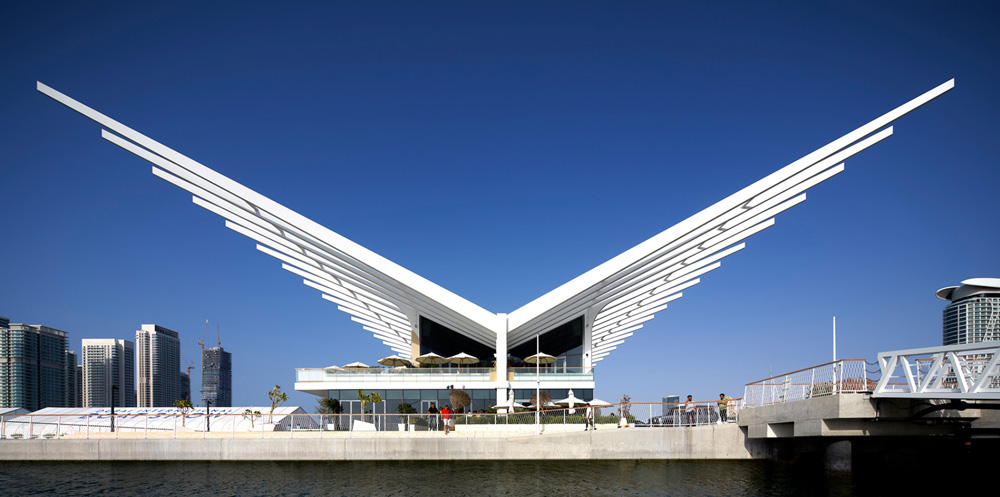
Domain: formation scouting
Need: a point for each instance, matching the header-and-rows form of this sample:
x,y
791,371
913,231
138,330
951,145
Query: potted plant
x,y
405,409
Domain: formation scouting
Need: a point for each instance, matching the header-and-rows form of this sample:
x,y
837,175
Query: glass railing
x,y
450,373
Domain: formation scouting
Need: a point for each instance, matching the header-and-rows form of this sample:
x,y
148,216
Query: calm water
x,y
515,478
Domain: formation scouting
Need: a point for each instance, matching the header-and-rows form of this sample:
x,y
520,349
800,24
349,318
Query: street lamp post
x,y
208,415
538,386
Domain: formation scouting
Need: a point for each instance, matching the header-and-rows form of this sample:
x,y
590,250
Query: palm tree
x,y
184,406
371,398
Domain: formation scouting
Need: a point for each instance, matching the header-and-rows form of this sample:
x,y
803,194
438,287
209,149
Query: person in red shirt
x,y
446,417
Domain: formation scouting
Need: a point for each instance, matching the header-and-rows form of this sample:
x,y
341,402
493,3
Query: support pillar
x,y
501,358
837,456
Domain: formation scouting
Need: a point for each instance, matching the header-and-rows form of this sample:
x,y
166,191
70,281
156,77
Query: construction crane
x,y
190,364
201,341
218,331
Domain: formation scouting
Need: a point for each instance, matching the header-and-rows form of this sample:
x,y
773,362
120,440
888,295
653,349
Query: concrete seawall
x,y
704,442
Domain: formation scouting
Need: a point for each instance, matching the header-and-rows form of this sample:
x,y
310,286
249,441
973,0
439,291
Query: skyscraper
x,y
73,390
108,363
974,312
159,366
217,377
33,367
185,387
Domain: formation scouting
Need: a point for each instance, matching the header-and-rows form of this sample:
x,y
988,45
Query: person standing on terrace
x,y
432,418
446,417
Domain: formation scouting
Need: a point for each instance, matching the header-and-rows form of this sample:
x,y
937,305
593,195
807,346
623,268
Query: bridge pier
x,y
851,431
838,456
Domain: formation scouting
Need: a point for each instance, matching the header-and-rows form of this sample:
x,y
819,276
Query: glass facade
x,y
446,342
217,377
565,342
420,400
35,372
971,320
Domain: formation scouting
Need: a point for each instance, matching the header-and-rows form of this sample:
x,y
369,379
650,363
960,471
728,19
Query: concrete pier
x,y
702,442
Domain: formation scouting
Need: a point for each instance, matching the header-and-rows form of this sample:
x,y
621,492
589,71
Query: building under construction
x,y
216,377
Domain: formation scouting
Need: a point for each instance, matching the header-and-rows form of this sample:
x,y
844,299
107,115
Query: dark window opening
x,y
444,341
564,341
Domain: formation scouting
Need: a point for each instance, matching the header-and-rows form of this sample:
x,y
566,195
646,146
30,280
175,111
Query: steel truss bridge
x,y
966,372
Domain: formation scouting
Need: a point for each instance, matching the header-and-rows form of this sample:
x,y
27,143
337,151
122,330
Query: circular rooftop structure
x,y
968,288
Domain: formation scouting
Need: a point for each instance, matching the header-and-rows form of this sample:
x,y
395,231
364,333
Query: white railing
x,y
968,371
832,378
132,426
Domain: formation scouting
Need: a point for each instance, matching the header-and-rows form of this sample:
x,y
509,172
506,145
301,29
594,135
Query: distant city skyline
x,y
476,145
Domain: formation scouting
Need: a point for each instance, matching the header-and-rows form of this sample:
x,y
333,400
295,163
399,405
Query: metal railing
x,y
158,426
832,378
968,371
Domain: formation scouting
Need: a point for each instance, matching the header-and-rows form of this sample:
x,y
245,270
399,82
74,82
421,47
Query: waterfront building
x,y
33,367
4,322
108,372
158,360
973,314
579,323
216,377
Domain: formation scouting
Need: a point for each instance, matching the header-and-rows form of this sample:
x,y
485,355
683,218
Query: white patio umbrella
x,y
394,360
333,368
463,358
599,403
431,358
356,365
571,402
540,358
510,404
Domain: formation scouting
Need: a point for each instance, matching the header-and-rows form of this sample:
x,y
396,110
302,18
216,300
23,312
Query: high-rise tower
x,y
108,363
158,356
33,367
217,377
974,312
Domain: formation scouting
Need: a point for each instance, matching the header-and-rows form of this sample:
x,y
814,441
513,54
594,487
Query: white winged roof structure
x,y
614,299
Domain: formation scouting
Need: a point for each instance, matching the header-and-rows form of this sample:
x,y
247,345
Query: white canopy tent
x,y
66,420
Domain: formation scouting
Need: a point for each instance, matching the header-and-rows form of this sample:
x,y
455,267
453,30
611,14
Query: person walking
x,y
588,423
432,417
446,417
689,412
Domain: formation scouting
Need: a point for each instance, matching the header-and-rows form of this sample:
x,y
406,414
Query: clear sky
x,y
499,150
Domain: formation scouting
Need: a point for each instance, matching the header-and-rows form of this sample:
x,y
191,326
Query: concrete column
x,y
837,456
501,357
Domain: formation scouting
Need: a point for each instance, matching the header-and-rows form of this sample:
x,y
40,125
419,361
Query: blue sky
x,y
499,150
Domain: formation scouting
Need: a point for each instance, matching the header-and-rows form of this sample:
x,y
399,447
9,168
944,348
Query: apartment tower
x,y
108,372
158,356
